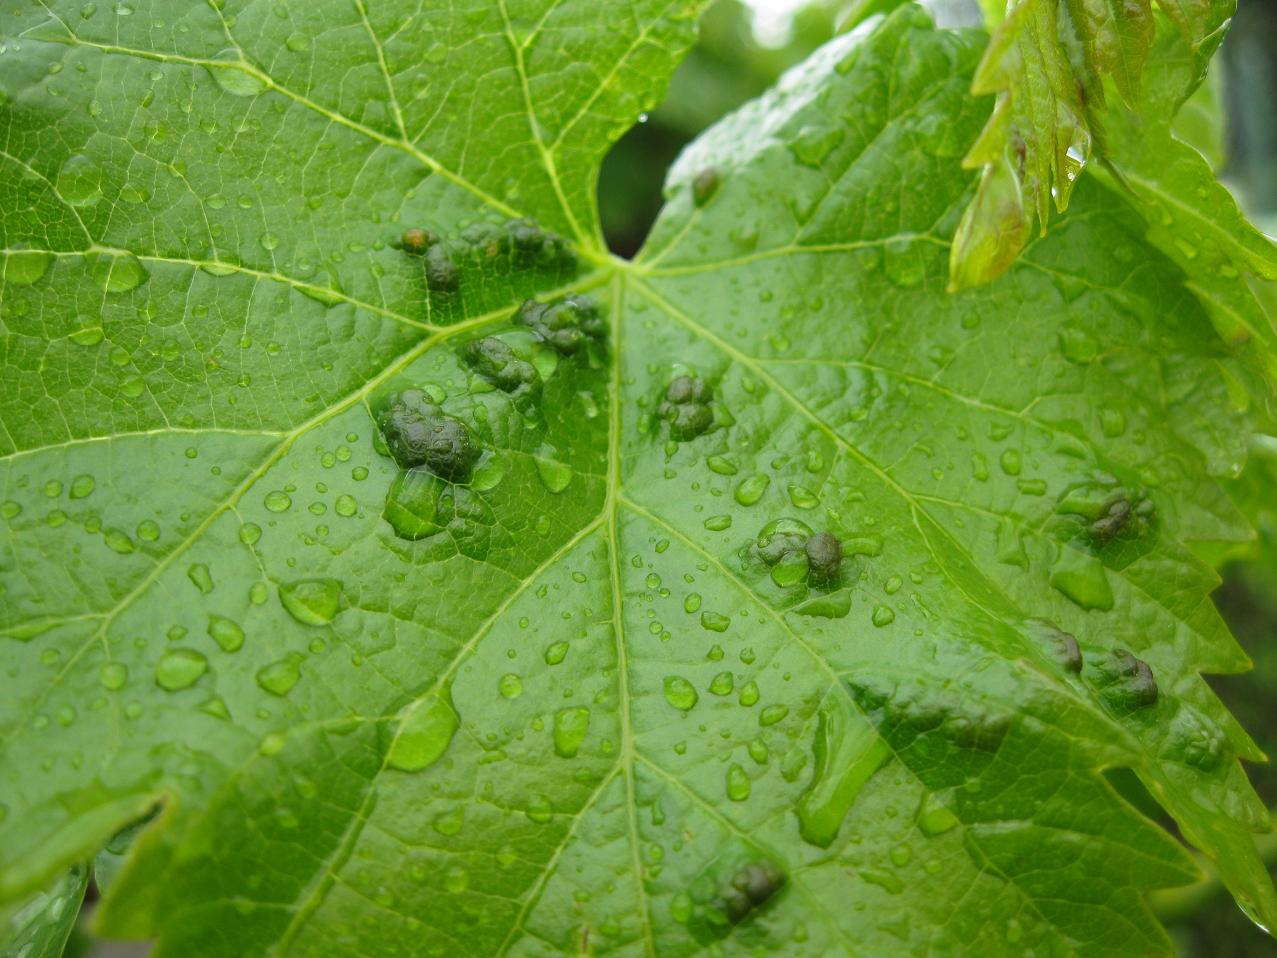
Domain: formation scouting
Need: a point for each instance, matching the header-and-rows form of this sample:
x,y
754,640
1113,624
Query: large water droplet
x,y
311,601
24,266
79,181
116,272
425,730
751,489
554,475
180,669
738,783
279,677
847,751
680,693
226,633
233,75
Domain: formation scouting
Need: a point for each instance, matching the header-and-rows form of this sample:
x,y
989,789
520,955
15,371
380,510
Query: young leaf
x,y
1048,62
452,587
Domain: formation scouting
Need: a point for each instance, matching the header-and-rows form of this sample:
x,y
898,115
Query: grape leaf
x,y
40,928
1048,63
756,594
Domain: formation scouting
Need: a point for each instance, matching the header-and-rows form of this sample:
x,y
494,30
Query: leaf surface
x,y
597,679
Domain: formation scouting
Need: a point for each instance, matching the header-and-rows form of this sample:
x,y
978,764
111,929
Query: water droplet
x,y
116,272
424,733
847,750
680,693
279,677
510,686
1083,579
751,489
180,669
722,684
311,601
715,622
148,530
554,475
345,506
738,783
118,541
277,501
250,533
803,498
24,267
749,694
79,181
540,810
883,615
449,822
226,633
718,523
82,487
297,42
113,676
935,819
772,714
570,726
199,575
235,76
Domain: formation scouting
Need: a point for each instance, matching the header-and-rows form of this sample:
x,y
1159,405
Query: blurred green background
x,y
743,50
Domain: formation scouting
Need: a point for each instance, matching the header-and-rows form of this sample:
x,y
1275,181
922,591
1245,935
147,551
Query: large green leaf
x,y
584,700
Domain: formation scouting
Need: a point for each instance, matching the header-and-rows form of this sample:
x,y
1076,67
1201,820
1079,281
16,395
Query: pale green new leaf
x,y
1049,62
585,700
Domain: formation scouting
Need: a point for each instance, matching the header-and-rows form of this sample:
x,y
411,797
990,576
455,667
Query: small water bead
x,y
556,653
113,676
803,498
540,809
751,489
277,500
749,694
226,633
692,603
555,476
722,684
118,541
82,487
313,602
258,593
718,523
279,677
738,783
180,669
510,686
10,509
715,622
570,728
680,693
772,714
199,575
450,822
345,506
250,533
234,76
148,530
722,465
883,615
